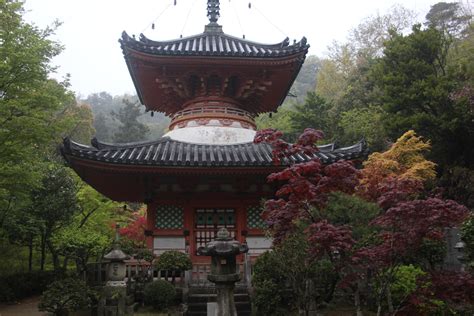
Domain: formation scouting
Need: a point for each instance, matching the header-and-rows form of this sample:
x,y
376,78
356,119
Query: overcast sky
x,y
91,28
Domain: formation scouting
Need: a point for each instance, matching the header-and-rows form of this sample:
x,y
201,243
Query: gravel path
x,y
27,307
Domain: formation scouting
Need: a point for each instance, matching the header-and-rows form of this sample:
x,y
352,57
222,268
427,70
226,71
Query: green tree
x,y
53,206
306,80
131,129
449,17
365,123
31,105
81,244
416,93
314,113
279,120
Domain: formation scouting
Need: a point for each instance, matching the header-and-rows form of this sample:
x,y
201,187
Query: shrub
x,y
66,295
174,261
268,299
270,289
20,285
159,294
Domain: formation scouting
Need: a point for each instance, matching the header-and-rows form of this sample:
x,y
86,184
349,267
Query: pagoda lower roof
x,y
212,43
166,152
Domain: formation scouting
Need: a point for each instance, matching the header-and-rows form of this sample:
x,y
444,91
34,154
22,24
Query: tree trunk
x,y
65,262
54,255
389,300
357,300
43,251
30,254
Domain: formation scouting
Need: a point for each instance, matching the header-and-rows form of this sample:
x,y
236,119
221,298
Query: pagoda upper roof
x,y
167,152
213,42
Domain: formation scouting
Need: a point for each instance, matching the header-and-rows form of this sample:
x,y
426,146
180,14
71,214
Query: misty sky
x,y
91,28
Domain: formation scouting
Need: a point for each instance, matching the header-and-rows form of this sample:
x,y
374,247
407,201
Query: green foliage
x,y
173,261
279,120
313,113
449,17
364,123
31,104
144,254
81,244
306,80
159,294
17,286
268,299
416,93
106,123
131,130
270,289
344,209
405,282
300,281
66,295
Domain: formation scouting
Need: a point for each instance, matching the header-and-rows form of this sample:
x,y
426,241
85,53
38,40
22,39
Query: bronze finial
x,y
213,11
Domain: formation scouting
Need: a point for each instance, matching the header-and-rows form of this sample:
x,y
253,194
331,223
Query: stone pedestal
x,y
223,251
114,300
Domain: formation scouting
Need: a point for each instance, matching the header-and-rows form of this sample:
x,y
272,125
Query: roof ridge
x,y
284,44
103,145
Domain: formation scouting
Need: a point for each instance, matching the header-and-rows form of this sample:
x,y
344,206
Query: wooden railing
x,y
196,277
212,109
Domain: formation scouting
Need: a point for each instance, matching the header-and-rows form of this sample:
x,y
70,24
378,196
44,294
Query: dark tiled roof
x,y
212,44
167,152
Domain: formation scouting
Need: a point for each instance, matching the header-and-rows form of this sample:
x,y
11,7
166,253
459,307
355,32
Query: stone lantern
x,y
114,300
223,251
116,269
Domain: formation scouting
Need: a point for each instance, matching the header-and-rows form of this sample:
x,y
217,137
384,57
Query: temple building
x,y
205,172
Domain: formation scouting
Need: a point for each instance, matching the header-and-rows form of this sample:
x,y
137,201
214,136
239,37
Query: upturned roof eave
x,y
279,50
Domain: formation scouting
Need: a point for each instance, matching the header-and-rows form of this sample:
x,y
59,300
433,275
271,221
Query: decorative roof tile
x,y
212,43
168,152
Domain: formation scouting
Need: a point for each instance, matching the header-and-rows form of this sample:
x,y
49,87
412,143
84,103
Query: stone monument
x,y
114,300
224,274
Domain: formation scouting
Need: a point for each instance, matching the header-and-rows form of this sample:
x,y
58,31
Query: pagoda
x,y
205,173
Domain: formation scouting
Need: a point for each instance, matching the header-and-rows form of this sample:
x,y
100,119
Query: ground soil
x,y
26,307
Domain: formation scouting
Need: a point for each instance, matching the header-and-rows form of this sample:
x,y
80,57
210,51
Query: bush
x,y
66,295
268,299
174,261
270,296
21,285
159,294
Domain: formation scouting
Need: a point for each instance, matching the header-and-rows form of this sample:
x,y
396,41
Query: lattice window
x,y
169,217
209,221
254,219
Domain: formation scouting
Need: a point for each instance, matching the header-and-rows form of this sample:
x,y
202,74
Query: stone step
x,y
204,298
239,313
212,290
201,308
240,306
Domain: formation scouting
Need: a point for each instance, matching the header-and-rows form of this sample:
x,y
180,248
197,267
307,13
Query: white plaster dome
x,y
213,135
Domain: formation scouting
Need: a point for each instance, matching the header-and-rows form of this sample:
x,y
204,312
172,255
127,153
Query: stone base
x,y
116,284
114,300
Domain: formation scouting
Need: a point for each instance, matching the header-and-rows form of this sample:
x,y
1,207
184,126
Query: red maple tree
x,y
408,215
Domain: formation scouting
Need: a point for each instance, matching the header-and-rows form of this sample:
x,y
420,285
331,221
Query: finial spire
x,y
213,11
